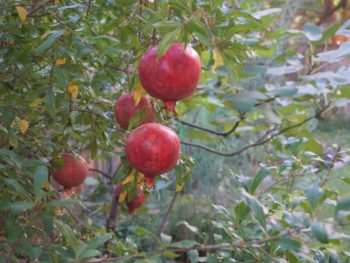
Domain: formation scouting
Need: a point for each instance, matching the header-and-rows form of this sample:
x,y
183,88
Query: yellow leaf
x,y
73,90
218,61
23,125
140,178
139,91
57,2
179,187
61,61
46,186
22,13
35,103
130,178
122,196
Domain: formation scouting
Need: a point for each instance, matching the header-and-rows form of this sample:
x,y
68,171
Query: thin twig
x,y
259,141
100,172
220,133
165,218
43,5
208,248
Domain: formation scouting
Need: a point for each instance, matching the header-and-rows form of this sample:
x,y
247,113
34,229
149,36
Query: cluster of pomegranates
x,y
152,149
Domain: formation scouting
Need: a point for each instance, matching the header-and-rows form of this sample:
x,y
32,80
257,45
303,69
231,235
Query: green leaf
x,y
184,244
88,250
313,195
193,256
319,232
170,254
167,40
259,210
193,229
343,204
68,235
243,102
20,206
289,244
40,177
140,231
263,172
167,25
49,41
312,32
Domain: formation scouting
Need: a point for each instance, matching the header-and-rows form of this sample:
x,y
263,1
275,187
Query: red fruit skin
x,y
125,109
72,173
137,201
174,76
153,149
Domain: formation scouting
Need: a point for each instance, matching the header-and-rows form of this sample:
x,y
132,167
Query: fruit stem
x,y
170,107
149,181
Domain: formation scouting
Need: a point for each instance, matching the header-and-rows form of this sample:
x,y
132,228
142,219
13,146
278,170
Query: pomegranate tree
x,y
125,109
173,77
137,201
72,173
152,149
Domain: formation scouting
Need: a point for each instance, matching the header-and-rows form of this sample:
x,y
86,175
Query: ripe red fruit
x,y
125,109
136,202
173,77
152,149
73,171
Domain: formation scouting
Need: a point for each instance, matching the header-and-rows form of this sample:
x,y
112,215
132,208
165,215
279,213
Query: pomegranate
x,y
134,203
125,109
73,171
173,77
152,149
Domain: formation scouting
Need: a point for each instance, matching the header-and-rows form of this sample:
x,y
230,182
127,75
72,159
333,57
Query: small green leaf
x,y
40,177
184,244
167,40
20,206
313,195
320,232
167,25
259,210
243,102
170,254
193,256
49,41
263,172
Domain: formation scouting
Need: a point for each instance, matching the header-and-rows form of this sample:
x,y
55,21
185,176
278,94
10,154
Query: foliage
x,y
62,65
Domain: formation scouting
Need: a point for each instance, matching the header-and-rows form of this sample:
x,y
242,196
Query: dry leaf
x,y
122,196
22,13
179,187
61,61
73,90
36,103
139,91
129,178
23,125
218,61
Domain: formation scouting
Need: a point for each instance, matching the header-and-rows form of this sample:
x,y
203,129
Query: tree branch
x,y
329,12
165,218
40,6
259,141
100,172
224,134
208,248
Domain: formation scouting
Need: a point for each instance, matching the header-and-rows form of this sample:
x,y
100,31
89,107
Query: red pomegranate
x,y
173,77
125,109
136,202
73,171
152,149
